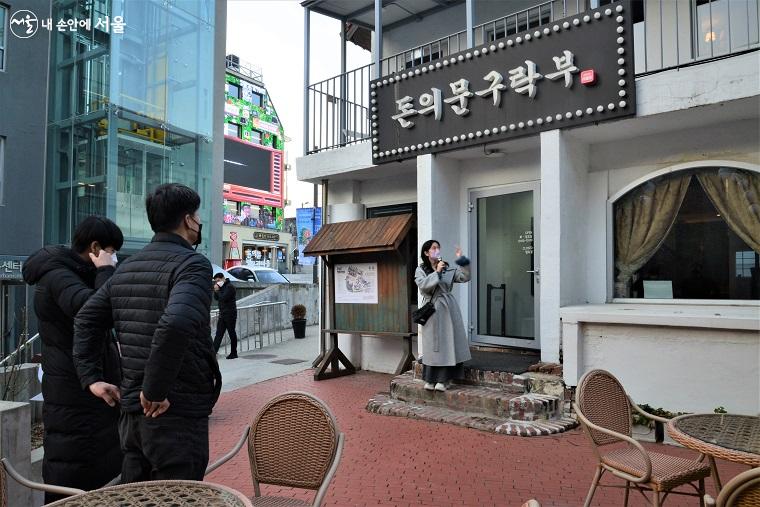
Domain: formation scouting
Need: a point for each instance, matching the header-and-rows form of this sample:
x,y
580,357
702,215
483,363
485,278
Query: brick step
x,y
505,402
475,376
383,404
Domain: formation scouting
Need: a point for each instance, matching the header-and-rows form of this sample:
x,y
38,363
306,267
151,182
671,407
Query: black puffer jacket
x,y
81,431
227,304
158,301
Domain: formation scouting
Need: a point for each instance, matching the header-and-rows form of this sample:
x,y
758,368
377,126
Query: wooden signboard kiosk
x,y
369,287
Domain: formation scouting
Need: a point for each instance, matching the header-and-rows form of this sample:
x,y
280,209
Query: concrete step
x,y
383,404
505,401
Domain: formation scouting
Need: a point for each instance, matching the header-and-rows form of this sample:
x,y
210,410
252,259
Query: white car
x,y
218,269
258,274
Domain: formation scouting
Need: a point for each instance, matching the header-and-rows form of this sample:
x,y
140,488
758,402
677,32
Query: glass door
x,y
505,274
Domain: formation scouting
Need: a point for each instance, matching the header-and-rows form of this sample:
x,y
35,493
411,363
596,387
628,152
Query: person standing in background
x,y
224,292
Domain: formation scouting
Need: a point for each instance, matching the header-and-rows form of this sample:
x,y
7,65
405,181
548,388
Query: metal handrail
x,y
244,68
20,348
256,321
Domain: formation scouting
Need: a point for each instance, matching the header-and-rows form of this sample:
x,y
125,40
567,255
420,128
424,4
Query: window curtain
x,y
736,196
643,219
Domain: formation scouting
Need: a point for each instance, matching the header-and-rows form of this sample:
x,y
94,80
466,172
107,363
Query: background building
x,y
23,87
130,107
254,181
101,101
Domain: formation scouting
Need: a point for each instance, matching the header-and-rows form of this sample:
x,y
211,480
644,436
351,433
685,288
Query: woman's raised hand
x,y
458,252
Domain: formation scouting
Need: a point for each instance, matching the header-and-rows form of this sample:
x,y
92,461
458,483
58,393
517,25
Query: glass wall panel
x,y
131,110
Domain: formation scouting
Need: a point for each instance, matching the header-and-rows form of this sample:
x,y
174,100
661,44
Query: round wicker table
x,y
726,436
159,494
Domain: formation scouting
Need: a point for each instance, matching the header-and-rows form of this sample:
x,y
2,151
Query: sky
x,y
268,34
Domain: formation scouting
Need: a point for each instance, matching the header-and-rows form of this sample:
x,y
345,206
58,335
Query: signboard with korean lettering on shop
x,y
11,266
569,72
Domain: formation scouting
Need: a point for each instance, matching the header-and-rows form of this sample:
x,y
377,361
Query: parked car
x,y
258,274
218,269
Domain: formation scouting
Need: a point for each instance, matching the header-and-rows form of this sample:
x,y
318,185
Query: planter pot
x,y
299,328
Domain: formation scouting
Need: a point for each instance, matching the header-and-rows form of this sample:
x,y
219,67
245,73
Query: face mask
x,y
200,235
115,259
219,284
435,254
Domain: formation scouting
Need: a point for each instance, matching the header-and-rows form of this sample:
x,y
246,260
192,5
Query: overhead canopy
x,y
362,12
360,236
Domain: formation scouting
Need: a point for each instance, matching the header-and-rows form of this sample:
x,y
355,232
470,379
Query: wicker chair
x,y
293,442
741,491
604,410
7,469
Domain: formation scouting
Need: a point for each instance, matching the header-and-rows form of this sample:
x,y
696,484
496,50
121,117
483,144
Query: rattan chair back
x,y
602,400
742,491
293,441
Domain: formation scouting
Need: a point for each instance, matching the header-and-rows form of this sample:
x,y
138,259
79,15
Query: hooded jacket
x,y
81,435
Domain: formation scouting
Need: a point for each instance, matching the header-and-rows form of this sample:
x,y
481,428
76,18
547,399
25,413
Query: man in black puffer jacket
x,y
81,431
224,292
158,302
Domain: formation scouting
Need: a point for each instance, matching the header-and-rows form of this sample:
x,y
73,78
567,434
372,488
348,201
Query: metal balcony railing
x,y
339,110
670,34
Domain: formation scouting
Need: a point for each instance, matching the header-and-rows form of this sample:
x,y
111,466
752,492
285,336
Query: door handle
x,y
536,273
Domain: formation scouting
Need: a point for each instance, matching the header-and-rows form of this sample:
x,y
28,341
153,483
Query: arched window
x,y
690,234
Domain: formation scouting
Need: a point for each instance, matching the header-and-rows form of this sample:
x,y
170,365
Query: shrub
x,y
298,312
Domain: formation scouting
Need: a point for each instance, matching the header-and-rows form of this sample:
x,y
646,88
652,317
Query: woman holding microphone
x,y
444,339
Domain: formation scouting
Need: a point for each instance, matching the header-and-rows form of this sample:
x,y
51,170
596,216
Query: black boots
x,y
233,355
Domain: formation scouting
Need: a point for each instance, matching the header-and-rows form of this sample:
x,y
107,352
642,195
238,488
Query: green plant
x,y
644,421
720,410
298,312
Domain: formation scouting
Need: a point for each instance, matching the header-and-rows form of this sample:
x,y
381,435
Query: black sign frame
x,y
599,39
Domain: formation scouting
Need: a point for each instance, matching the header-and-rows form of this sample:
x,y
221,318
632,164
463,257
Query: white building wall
x,y
681,369
687,358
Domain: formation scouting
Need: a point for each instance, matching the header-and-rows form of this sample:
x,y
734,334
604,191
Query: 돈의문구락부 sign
x,y
566,73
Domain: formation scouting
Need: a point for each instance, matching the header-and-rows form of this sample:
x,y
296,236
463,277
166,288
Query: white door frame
x,y
474,195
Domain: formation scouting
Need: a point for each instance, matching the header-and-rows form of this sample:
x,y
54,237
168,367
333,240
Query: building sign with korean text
x,y
11,266
570,72
266,236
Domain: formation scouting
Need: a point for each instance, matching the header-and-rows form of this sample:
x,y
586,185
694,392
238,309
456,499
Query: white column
x,y
439,210
346,196
564,167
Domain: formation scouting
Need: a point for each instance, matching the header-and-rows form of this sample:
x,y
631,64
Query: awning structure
x,y
360,236
362,12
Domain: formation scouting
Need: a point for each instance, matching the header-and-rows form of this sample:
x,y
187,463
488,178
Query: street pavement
x,y
257,365
395,461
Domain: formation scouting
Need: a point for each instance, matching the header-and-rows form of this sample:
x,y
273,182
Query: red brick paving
x,y
402,462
